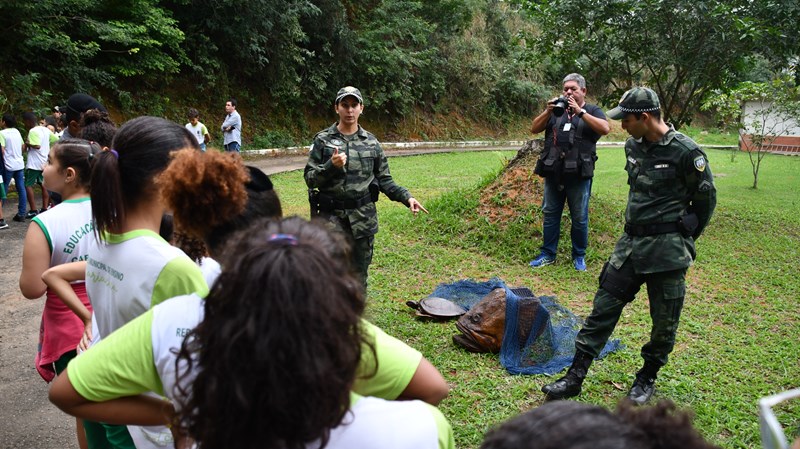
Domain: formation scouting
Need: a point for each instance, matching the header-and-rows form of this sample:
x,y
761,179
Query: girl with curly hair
x,y
97,126
574,425
265,377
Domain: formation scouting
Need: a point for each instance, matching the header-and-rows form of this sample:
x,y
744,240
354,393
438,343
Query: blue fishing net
x,y
539,336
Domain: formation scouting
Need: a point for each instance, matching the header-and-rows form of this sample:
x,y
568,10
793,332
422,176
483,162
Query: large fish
x,y
483,325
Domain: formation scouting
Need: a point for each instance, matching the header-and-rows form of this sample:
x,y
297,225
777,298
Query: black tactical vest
x,y
572,158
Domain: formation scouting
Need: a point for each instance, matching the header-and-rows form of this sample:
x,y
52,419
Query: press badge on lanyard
x,y
567,126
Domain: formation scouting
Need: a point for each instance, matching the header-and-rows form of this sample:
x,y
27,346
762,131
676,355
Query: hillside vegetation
x,y
434,69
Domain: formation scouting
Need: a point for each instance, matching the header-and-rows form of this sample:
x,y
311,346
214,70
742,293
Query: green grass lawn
x,y
738,339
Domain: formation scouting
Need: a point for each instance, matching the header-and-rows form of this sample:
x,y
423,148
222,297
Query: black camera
x,y
559,106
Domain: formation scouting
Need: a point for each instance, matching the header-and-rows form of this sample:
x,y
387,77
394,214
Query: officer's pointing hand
x,y
338,159
415,206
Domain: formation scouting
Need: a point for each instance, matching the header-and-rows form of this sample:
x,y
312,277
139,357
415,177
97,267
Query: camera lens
x,y
560,105
558,108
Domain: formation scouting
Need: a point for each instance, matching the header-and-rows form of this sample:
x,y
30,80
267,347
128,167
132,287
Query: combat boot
x,y
570,385
644,385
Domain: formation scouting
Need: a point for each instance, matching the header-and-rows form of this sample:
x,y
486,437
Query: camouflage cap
x,y
638,99
348,91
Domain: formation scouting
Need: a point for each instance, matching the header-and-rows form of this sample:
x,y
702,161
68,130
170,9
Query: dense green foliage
x,y
681,48
461,67
435,56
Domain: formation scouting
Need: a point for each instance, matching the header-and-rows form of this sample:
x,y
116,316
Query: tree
x,y
395,57
683,49
258,42
776,106
82,44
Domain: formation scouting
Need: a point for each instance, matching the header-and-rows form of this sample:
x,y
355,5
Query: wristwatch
x,y
583,111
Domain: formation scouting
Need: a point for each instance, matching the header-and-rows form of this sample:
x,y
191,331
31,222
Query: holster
x,y
374,190
621,287
688,224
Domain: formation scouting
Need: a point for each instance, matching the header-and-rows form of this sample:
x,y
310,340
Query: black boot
x,y
570,385
644,385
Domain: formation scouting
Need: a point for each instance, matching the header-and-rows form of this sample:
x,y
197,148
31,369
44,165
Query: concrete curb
x,y
437,145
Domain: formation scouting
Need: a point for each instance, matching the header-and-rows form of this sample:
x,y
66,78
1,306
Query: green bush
x,y
274,139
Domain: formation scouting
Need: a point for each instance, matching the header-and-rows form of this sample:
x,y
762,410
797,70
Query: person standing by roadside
x,y
54,120
3,224
346,170
57,112
198,129
232,127
14,164
670,202
571,128
38,147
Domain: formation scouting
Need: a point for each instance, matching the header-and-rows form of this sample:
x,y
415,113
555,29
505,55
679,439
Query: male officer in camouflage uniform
x,y
670,202
345,171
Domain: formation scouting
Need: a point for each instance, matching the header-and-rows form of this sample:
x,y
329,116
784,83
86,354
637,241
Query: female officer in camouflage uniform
x,y
670,202
345,171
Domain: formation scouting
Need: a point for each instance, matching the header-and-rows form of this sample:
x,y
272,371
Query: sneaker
x,y
542,260
3,224
579,263
19,218
31,214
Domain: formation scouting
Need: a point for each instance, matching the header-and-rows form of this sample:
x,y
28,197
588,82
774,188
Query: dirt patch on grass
x,y
516,191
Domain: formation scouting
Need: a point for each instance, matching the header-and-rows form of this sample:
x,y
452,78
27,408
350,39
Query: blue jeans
x,y
575,193
233,146
19,180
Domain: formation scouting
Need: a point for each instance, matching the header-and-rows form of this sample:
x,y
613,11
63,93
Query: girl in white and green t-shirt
x,y
57,236
130,268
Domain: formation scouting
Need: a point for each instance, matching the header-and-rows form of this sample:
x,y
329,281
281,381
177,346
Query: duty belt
x,y
635,230
328,203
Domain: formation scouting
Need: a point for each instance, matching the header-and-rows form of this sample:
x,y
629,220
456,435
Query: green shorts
x,y
33,177
2,191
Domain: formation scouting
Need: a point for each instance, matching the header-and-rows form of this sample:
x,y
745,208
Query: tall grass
x,y
738,339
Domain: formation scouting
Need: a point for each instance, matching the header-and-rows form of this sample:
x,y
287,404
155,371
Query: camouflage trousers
x,y
666,292
361,248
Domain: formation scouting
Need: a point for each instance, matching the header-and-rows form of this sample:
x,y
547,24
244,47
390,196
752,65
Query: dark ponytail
x,y
123,176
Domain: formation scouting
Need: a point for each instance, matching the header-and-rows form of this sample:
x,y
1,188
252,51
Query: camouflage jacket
x,y
365,162
667,179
